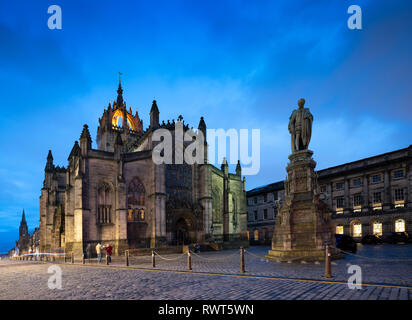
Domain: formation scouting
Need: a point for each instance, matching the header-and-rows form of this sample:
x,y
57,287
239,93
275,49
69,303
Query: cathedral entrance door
x,y
182,232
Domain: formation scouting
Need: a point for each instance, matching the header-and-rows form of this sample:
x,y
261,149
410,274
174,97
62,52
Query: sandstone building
x,y
117,194
368,196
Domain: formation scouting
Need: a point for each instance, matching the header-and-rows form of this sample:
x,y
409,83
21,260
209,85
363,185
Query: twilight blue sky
x,y
240,64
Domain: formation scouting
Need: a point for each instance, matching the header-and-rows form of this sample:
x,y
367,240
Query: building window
x,y
339,185
265,214
256,215
357,229
399,198
255,200
377,228
397,174
377,197
399,194
256,235
339,205
322,189
357,202
104,207
339,229
356,182
265,197
136,193
376,178
275,195
400,225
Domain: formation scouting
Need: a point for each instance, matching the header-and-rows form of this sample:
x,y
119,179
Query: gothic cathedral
x,y
117,194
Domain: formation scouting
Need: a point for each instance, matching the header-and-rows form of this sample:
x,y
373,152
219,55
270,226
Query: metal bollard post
x,y
83,259
107,259
127,257
153,259
328,265
242,260
189,261
72,257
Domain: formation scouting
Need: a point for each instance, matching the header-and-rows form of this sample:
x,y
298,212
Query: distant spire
x,y
202,127
238,169
23,218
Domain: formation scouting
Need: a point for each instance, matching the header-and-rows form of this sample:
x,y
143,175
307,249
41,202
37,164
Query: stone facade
x,y
372,195
262,209
117,194
302,226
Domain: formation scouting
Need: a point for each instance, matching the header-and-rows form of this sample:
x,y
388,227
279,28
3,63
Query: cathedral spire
x,y
119,100
49,163
23,218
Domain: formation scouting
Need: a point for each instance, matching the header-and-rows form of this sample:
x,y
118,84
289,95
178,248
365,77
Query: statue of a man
x,y
300,127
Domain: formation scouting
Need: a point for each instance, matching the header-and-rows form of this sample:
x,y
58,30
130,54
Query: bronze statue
x,y
300,127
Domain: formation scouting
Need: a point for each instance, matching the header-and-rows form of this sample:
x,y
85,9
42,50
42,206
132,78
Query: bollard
x,y
72,257
83,260
127,257
107,259
189,261
153,259
328,266
242,260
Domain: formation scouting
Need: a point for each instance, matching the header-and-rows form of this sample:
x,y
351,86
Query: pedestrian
x,y
109,253
99,252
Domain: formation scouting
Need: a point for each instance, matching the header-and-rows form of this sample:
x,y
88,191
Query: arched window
x,y
136,193
357,229
104,207
400,225
339,229
377,228
136,200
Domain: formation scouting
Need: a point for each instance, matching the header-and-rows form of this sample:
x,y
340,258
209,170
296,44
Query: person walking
x,y
99,252
109,252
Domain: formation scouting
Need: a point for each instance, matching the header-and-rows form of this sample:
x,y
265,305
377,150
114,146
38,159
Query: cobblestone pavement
x,y
28,280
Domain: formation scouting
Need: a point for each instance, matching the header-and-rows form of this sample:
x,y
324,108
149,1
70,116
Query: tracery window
x,y
136,193
136,197
104,207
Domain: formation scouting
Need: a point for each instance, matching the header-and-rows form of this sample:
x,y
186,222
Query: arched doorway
x,y
182,232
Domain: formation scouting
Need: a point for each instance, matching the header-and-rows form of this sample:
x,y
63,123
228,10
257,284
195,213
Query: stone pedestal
x,y
302,225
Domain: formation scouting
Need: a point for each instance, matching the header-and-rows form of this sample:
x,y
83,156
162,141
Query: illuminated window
x,y
400,225
339,229
357,229
256,235
377,228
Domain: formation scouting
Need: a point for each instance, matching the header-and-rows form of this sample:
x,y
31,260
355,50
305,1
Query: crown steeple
x,y
119,100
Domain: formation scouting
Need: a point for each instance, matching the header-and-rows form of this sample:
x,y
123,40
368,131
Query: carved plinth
x,y
302,225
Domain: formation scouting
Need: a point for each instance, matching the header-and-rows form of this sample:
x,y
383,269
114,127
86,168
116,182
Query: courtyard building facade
x,y
364,197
